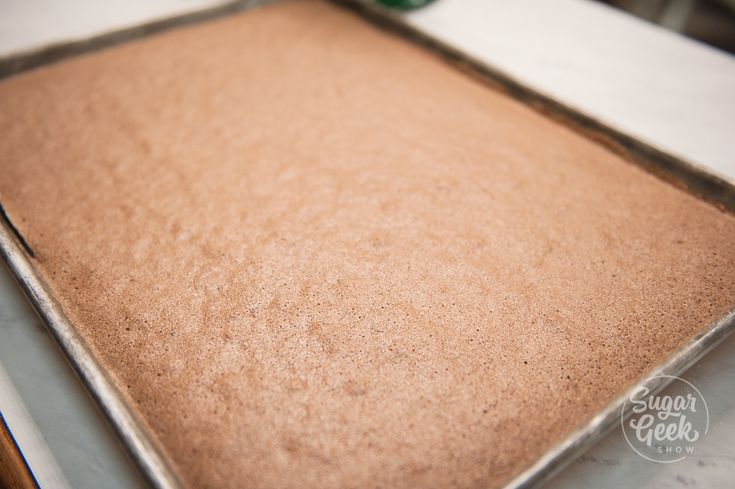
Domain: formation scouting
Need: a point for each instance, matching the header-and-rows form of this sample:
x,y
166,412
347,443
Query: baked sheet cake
x,y
313,255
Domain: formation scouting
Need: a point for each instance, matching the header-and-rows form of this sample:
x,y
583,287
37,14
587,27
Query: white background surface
x,y
673,93
668,91
30,24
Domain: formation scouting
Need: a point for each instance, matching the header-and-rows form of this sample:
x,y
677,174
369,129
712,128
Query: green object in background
x,y
404,4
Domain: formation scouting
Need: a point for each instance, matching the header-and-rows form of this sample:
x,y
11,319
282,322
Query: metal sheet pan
x,y
133,432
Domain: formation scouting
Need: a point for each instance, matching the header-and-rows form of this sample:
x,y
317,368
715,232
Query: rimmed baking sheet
x,y
133,431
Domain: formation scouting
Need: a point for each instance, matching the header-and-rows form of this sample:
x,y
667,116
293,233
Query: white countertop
x,y
674,93
668,91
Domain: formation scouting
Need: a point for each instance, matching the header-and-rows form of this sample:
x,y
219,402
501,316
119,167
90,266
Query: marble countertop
x,y
671,92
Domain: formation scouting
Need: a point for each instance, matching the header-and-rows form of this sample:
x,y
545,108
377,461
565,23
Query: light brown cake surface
x,y
314,256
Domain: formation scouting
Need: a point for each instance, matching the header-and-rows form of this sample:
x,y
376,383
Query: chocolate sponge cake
x,y
313,255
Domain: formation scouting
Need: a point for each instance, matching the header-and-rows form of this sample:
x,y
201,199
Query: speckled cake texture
x,y
312,255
